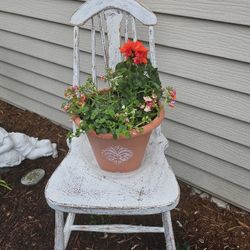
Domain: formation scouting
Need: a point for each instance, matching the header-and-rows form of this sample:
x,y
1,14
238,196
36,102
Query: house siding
x,y
203,49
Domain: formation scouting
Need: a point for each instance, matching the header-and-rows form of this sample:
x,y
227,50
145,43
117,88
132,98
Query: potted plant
x,y
119,120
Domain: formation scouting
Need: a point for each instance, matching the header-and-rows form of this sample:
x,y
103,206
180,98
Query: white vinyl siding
x,y
203,50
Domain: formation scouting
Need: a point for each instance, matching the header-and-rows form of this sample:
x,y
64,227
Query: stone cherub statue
x,y
15,147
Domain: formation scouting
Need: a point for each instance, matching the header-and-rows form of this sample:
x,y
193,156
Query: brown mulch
x,y
26,221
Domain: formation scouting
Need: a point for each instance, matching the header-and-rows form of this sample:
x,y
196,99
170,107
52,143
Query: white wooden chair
x,y
79,186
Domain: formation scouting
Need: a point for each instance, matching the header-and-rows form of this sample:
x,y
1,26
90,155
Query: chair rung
x,y
117,228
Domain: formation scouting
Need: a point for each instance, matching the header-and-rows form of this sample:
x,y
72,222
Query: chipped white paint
x,y
117,154
76,57
68,227
113,20
79,185
152,46
59,235
168,230
76,62
93,49
118,228
134,28
126,27
93,7
103,38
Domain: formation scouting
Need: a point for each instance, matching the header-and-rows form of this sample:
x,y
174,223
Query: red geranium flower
x,y
127,49
136,51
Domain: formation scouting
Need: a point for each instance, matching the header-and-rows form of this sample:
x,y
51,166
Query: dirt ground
x,y
26,221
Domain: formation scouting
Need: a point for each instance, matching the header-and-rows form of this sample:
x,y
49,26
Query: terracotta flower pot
x,y
122,154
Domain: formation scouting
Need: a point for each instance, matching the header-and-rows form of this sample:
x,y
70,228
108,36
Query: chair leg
x,y
59,235
168,231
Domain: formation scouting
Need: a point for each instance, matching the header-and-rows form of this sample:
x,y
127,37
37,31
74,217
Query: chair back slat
x,y
126,17
103,38
133,28
93,50
152,46
76,57
113,22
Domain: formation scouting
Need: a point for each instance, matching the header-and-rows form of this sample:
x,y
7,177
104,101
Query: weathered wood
x,y
68,227
133,28
168,230
91,8
152,46
116,228
59,236
126,26
76,58
113,21
103,38
93,51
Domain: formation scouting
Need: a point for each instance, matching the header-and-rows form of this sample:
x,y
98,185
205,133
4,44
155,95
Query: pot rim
x,y
146,129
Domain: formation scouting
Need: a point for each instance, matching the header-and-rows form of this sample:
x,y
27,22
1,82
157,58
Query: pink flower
x,y
172,93
171,104
82,100
75,87
149,103
66,107
147,109
102,77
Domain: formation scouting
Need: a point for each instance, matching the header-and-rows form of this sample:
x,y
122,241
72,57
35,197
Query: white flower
x,y
123,106
147,99
154,96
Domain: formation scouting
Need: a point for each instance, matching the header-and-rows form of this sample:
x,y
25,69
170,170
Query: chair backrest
x,y
110,15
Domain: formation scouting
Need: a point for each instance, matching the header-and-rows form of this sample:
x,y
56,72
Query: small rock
x,y
195,191
205,196
33,177
201,241
220,203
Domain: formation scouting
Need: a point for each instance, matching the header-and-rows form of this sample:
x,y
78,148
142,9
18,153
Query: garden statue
x,y
15,147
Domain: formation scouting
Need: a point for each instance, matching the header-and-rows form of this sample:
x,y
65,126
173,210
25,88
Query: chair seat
x,y
79,185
